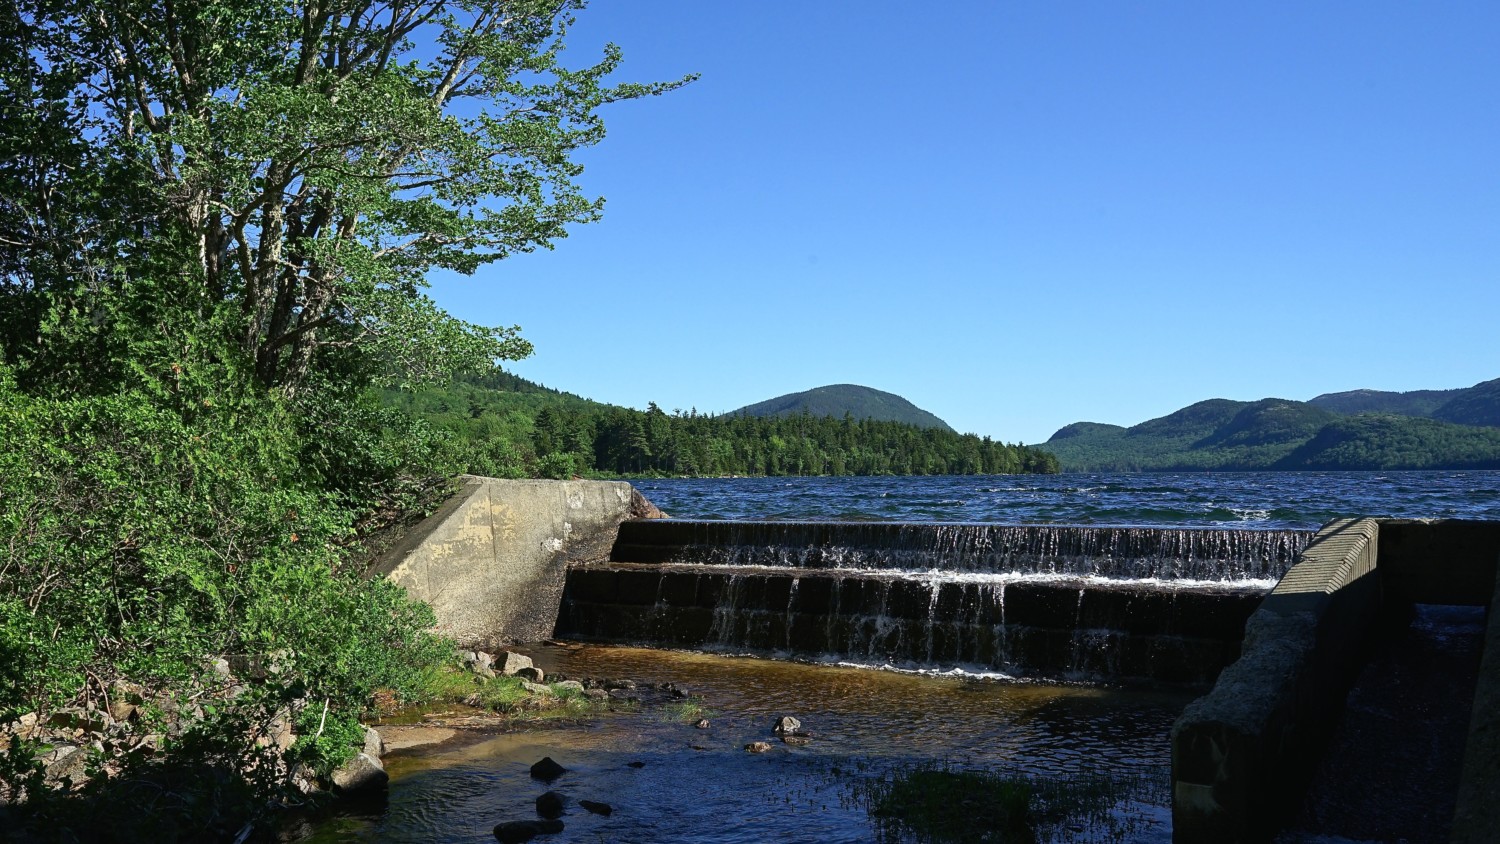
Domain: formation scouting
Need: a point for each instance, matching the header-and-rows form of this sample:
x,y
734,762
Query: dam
x,y
1272,627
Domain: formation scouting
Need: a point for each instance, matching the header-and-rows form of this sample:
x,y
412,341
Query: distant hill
x,y
1414,403
1220,434
838,399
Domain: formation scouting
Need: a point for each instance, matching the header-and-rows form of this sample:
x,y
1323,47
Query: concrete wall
x,y
1242,755
492,560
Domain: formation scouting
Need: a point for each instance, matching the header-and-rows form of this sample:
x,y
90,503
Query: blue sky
x,y
1023,215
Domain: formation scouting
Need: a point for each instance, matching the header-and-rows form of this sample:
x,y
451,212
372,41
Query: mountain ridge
x,y
837,399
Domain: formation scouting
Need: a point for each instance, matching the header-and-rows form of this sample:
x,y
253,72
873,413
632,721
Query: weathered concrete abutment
x,y
491,561
1243,754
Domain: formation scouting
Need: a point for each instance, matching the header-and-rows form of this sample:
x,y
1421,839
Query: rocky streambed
x,y
694,747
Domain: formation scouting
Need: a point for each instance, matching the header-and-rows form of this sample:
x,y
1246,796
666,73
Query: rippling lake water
x,y
1247,500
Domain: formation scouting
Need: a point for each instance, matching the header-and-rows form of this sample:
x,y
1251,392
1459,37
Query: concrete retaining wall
x,y
1242,755
492,560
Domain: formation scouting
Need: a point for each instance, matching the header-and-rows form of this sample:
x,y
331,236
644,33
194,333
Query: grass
x,y
503,695
685,711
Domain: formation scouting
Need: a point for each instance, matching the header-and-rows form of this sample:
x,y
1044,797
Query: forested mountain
x,y
836,400
506,426
1220,434
1476,405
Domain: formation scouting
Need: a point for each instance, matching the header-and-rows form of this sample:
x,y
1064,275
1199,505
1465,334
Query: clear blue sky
x,y
1023,215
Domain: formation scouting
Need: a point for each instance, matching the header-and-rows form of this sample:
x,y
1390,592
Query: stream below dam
x,y
701,785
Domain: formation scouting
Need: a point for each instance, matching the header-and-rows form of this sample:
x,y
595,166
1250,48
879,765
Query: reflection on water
x,y
701,786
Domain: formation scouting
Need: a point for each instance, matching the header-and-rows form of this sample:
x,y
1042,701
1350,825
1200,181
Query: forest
x,y
505,426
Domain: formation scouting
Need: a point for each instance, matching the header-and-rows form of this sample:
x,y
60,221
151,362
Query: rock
x,y
468,657
373,745
514,832
28,720
484,659
220,667
473,700
248,666
547,769
304,779
635,764
641,508
484,671
622,695
701,723
550,805
786,724
596,694
619,684
536,688
758,746
362,774
796,740
66,762
532,673
509,663
597,808
572,686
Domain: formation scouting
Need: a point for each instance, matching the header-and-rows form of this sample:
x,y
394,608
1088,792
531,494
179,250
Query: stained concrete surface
x,y
1392,769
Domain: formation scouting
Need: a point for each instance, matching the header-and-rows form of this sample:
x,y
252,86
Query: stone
x,y
635,764
373,744
796,740
786,724
532,673
550,805
701,723
572,686
304,779
596,694
514,832
468,657
536,688
509,663
758,746
547,769
220,667
484,671
597,808
619,684
359,775
482,658
66,762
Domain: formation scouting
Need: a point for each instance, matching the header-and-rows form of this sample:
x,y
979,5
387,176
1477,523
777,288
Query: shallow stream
x,y
701,785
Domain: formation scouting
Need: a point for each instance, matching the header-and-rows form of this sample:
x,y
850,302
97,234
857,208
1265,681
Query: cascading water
x,y
1083,602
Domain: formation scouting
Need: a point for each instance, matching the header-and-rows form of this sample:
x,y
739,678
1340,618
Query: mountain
x,y
1219,434
1414,403
838,399
1478,405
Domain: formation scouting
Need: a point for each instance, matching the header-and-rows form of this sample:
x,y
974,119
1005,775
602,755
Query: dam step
x,y
1021,625
1209,554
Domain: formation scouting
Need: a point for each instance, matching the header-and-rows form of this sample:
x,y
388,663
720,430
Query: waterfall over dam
x,y
1093,603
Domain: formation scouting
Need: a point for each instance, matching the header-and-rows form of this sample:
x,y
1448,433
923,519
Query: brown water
x,y
698,785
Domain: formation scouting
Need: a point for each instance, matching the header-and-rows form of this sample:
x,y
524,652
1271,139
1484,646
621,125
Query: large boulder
x,y
361,775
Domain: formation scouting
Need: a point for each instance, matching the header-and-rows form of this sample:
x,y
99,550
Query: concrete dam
x,y
1077,603
1277,627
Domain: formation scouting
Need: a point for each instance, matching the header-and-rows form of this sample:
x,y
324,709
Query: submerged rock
x,y
597,808
701,723
758,746
550,805
786,724
547,770
514,832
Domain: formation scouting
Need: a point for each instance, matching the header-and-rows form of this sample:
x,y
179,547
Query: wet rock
x,y
597,808
635,764
373,744
509,663
796,740
619,684
550,805
701,723
362,774
623,695
786,725
758,746
570,685
596,694
514,832
547,769
532,673
536,688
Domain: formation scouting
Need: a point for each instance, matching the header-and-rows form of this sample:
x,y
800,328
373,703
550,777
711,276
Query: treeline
x,y
507,427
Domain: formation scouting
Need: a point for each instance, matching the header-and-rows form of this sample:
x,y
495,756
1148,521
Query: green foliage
x,y
955,806
326,740
552,434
